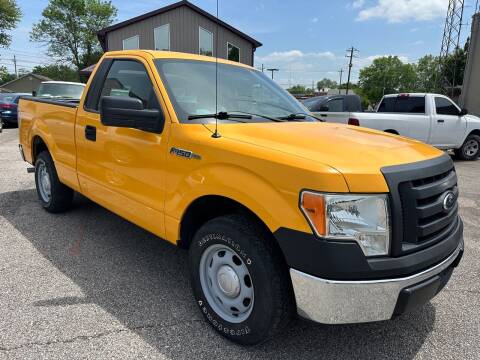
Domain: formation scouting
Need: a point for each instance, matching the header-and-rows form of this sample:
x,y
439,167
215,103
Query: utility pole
x,y
15,65
273,70
352,50
313,86
263,68
340,85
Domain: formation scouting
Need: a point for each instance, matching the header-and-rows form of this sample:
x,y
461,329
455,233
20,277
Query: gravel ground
x,y
88,284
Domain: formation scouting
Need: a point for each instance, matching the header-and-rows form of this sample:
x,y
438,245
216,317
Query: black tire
x,y
61,196
465,152
273,305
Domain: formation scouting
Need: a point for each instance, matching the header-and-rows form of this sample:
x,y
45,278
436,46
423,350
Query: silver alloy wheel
x,y
226,283
471,148
43,181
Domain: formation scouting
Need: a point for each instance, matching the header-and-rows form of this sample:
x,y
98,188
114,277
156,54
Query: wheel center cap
x,y
228,281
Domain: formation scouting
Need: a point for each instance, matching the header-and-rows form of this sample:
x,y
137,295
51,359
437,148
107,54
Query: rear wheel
x,y
239,280
53,195
470,149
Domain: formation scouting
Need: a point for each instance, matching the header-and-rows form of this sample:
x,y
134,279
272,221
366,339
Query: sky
x,y
305,39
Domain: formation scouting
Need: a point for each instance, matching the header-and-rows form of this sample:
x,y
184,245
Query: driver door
x,y
123,169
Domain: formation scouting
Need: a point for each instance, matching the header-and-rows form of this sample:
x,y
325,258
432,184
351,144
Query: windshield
x,y
56,90
7,98
191,87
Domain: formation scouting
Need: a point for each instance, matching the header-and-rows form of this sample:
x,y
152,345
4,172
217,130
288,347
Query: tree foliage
x,y
386,75
326,84
69,29
300,90
5,76
10,15
57,72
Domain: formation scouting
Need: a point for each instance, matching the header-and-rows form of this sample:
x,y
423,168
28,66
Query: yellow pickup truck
x,y
282,214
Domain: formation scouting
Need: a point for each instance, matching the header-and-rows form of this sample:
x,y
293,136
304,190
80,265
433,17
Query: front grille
x,y
418,191
425,221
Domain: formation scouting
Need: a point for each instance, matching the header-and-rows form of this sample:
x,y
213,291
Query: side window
x,y
162,37
132,43
205,42
335,105
233,52
445,107
130,78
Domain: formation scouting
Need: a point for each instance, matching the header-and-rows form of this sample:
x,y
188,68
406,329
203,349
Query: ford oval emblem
x,y
448,201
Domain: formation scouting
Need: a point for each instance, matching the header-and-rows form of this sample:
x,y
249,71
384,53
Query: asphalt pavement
x,y
87,284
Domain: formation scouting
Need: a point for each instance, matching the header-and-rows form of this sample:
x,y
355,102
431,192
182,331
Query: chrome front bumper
x,y
343,302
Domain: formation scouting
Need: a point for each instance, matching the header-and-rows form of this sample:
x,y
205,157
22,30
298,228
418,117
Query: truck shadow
x,y
143,282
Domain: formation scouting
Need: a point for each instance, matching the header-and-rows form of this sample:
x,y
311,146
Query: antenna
x,y
216,135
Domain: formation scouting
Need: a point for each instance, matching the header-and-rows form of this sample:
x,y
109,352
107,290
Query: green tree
x,y
5,76
10,15
427,74
69,29
300,90
57,72
326,84
386,75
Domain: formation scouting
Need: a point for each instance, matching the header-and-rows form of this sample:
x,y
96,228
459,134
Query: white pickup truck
x,y
430,118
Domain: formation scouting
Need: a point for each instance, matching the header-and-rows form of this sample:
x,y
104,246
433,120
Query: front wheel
x,y
239,280
470,149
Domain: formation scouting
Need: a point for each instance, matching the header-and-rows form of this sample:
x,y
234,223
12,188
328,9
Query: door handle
x,y
440,121
91,133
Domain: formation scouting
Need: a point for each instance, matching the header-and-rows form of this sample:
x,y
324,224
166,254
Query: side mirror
x,y
127,112
324,108
34,93
463,112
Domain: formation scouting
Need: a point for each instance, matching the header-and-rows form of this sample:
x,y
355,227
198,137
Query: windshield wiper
x,y
298,116
220,116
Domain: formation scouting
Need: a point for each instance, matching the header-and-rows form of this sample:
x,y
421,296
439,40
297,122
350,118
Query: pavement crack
x,y
95,336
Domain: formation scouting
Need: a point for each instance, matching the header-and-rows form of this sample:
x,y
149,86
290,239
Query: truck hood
x,y
358,153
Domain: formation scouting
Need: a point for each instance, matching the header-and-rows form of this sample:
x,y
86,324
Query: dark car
x,y
334,108
9,106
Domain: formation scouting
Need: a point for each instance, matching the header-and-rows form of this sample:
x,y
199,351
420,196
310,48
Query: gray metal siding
x,y
471,81
184,32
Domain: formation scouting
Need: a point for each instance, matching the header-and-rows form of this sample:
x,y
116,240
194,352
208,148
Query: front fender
x,y
275,206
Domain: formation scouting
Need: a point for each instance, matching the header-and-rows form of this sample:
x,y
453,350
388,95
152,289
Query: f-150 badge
x,y
184,153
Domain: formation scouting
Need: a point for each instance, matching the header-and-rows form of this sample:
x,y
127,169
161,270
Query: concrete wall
x,y
184,32
470,98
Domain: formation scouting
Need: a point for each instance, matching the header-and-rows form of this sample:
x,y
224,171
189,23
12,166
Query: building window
x,y
233,52
162,37
205,41
132,43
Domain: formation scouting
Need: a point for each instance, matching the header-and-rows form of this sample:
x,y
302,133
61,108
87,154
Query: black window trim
x,y
337,98
100,82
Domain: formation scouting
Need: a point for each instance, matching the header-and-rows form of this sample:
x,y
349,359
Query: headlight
x,y
360,218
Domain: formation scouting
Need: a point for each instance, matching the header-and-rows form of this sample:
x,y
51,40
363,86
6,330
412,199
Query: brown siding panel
x,y
184,32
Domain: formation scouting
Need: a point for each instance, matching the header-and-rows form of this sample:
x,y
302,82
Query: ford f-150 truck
x,y
280,213
431,118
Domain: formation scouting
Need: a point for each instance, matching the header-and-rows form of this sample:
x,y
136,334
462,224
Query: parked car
x,y
334,108
60,89
280,213
430,118
9,107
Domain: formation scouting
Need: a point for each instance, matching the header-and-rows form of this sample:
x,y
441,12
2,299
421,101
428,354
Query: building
x,y
24,84
470,98
182,27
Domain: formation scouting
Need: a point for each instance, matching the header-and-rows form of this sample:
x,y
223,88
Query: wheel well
x,y
391,131
475,132
38,146
207,208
